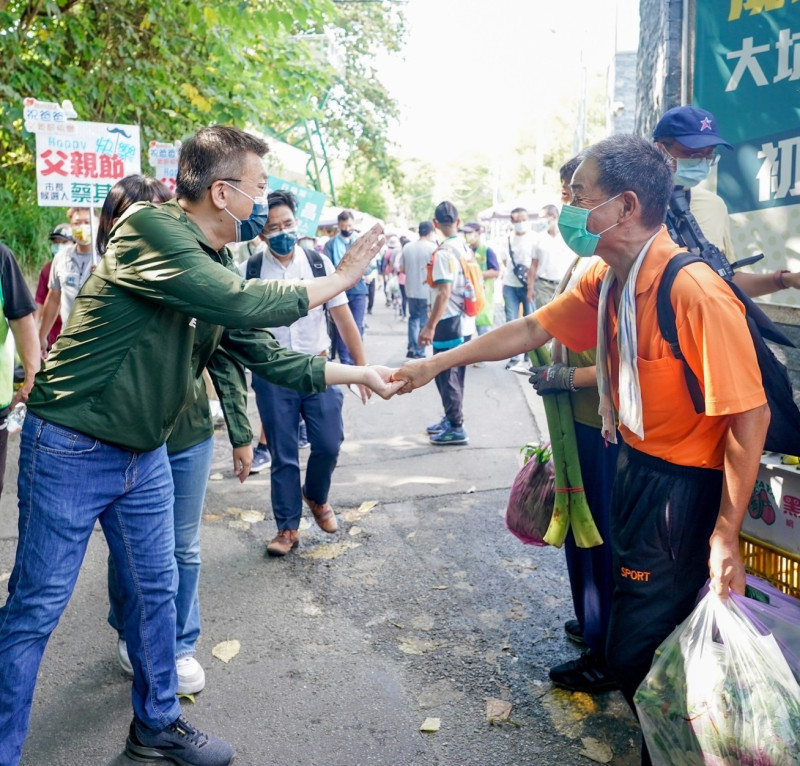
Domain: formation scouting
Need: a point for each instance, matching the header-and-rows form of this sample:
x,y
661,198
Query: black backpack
x,y
253,271
314,260
784,427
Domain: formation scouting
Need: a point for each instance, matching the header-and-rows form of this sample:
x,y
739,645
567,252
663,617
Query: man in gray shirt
x,y
413,262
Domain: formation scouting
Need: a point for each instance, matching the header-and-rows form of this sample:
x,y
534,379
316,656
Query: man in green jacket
x,y
102,408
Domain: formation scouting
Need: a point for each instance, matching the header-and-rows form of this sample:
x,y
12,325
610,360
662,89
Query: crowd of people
x,y
121,395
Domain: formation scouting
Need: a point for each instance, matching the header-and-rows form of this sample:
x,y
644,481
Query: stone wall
x,y
658,71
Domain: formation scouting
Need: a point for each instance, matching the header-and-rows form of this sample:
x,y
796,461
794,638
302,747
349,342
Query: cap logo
x,y
705,124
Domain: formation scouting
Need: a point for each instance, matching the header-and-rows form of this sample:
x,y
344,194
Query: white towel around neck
x,y
630,393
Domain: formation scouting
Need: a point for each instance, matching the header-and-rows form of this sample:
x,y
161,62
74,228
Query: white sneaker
x,y
191,676
122,657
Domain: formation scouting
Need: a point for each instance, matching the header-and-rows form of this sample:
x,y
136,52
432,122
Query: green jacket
x,y
145,324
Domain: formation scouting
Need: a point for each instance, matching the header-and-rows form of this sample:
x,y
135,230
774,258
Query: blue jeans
x,y
190,468
417,317
358,305
67,481
279,409
513,298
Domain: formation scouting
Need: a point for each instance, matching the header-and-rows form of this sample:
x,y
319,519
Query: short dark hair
x,y
211,154
567,170
551,211
425,228
123,194
519,210
282,197
630,163
345,215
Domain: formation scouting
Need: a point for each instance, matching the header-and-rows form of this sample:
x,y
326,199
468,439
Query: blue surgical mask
x,y
572,225
282,242
251,227
689,173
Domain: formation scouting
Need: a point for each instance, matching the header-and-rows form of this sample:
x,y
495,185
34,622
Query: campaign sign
x,y
309,204
77,163
163,157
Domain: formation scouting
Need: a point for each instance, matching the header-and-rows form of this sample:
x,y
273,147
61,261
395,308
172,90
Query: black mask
x,y
345,232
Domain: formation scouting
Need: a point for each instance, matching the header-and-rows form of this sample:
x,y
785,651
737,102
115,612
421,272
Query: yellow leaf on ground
x,y
189,697
497,710
226,650
362,510
431,724
330,551
212,516
599,752
251,517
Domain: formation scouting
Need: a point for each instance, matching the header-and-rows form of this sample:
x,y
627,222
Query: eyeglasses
x,y
227,180
274,228
711,157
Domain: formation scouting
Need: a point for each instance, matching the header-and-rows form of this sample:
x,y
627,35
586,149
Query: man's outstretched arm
x,y
512,339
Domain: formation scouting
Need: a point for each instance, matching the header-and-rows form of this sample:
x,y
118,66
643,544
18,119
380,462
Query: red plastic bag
x,y
530,504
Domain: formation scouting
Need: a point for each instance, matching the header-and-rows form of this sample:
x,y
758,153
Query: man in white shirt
x,y
280,408
71,268
552,255
413,262
518,287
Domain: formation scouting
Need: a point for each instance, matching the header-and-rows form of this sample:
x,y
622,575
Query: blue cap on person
x,y
695,128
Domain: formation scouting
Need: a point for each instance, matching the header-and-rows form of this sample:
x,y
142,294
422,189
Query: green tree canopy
x,y
172,67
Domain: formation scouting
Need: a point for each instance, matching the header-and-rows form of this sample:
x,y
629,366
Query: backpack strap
x,y
253,266
667,323
315,261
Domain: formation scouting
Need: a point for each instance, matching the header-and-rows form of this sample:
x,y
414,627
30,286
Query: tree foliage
x,y
173,66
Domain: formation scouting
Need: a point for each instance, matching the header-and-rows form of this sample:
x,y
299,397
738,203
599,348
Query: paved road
x,y
422,606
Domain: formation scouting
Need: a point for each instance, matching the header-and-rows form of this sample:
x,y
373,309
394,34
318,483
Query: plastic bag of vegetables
x,y
530,504
720,692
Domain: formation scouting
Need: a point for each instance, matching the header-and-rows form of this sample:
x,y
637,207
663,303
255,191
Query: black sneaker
x,y
587,674
574,632
179,743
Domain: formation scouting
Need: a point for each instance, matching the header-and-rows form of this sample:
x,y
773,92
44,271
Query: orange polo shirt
x,y
713,336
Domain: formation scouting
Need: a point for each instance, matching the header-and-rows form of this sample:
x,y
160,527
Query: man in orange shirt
x,y
683,479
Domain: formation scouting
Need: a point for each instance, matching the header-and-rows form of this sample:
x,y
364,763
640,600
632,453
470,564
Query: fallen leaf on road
x,y
354,531
440,587
242,526
189,697
362,510
212,516
330,551
226,650
251,516
431,724
497,710
216,477
599,752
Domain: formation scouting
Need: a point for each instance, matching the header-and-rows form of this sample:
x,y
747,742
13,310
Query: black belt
x,y
549,281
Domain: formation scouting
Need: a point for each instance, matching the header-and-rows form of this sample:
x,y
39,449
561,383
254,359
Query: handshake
x,y
386,382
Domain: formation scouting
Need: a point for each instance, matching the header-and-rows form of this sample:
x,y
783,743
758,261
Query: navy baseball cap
x,y
472,226
693,127
425,228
